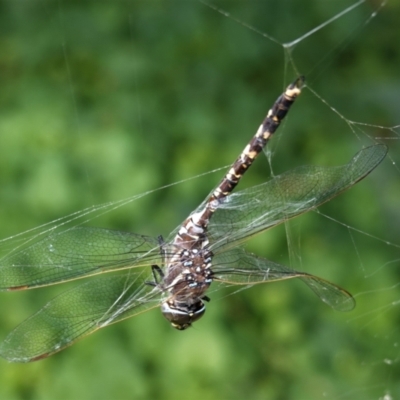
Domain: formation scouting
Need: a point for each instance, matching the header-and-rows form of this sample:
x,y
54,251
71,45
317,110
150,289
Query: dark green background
x,y
103,100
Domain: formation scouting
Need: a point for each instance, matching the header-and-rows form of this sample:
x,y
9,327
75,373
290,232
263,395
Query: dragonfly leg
x,y
161,243
158,276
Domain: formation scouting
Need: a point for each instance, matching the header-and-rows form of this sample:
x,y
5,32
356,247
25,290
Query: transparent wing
x,y
75,253
236,267
79,312
256,209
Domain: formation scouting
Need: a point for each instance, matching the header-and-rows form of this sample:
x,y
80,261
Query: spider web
x,y
116,100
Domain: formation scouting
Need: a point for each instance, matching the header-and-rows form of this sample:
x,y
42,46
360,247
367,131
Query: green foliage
x,y
103,100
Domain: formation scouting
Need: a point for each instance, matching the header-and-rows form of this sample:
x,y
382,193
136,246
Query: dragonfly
x,y
131,273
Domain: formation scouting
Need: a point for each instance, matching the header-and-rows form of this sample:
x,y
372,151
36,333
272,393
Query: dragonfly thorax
x,y
188,275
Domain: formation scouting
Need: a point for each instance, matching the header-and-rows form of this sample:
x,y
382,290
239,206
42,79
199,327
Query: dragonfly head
x,y
181,315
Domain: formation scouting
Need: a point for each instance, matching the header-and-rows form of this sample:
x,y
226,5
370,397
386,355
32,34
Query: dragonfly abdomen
x,y
260,139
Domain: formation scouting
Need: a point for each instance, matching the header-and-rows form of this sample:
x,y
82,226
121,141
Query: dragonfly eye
x,y
182,315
